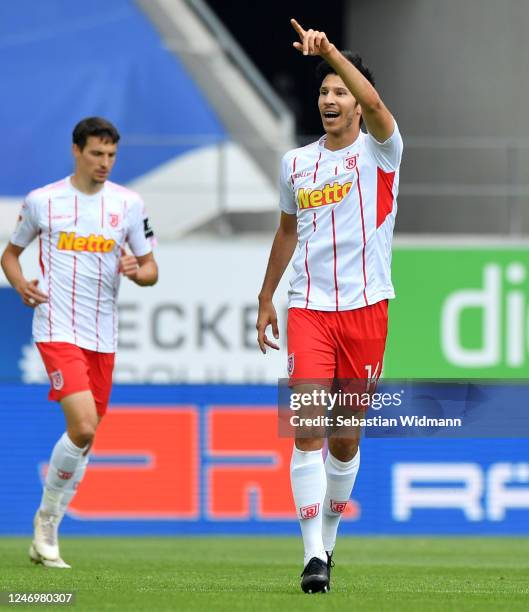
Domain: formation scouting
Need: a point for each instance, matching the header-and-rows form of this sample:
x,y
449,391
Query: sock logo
x,y
308,512
338,506
64,475
57,381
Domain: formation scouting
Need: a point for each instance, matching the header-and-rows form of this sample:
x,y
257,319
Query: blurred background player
x,y
338,206
83,223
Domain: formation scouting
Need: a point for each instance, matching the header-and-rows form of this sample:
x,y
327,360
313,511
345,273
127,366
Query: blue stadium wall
x,y
208,459
61,61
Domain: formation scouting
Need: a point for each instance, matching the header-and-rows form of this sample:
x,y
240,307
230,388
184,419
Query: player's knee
x,y
84,433
344,449
309,444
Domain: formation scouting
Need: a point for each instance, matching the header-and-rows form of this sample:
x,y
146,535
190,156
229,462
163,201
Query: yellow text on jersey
x,y
93,244
330,194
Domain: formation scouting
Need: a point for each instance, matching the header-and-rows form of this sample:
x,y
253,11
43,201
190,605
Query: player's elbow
x,y
155,274
4,260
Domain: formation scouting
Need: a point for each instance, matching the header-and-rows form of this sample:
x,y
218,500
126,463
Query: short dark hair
x,y
94,126
323,68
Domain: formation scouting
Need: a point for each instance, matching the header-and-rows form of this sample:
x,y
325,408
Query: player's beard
x,y
347,125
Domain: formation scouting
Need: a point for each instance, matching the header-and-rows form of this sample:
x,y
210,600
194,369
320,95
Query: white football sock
x,y
71,485
307,475
341,477
63,463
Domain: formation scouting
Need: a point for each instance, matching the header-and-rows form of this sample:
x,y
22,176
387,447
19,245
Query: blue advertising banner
x,y
209,459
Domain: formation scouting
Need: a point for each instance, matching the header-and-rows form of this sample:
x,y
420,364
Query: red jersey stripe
x,y
75,204
308,273
307,261
41,262
73,297
316,168
102,211
384,195
334,255
363,232
99,278
49,270
114,305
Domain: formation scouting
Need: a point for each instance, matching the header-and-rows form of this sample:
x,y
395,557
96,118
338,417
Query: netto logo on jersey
x,y
330,194
70,241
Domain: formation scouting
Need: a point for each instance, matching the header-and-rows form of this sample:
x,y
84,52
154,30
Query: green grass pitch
x,y
236,573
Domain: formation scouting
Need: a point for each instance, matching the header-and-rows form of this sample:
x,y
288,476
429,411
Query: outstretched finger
x,y
298,46
270,344
298,28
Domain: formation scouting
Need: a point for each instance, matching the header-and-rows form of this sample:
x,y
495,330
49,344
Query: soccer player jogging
x,y
83,223
338,207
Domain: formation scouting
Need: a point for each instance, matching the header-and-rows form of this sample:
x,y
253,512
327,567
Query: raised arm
x,y
377,117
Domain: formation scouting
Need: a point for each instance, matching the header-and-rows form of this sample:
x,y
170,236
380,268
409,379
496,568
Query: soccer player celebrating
x,y
338,207
83,223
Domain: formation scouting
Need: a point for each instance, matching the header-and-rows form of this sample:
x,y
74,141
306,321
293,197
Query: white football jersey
x,y
80,241
346,203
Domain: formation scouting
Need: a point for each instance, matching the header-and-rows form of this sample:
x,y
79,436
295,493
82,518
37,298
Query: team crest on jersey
x,y
57,381
290,364
113,219
350,162
64,475
338,506
308,512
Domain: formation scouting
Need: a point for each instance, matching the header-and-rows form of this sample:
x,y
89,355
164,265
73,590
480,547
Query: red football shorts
x,y
348,344
72,369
